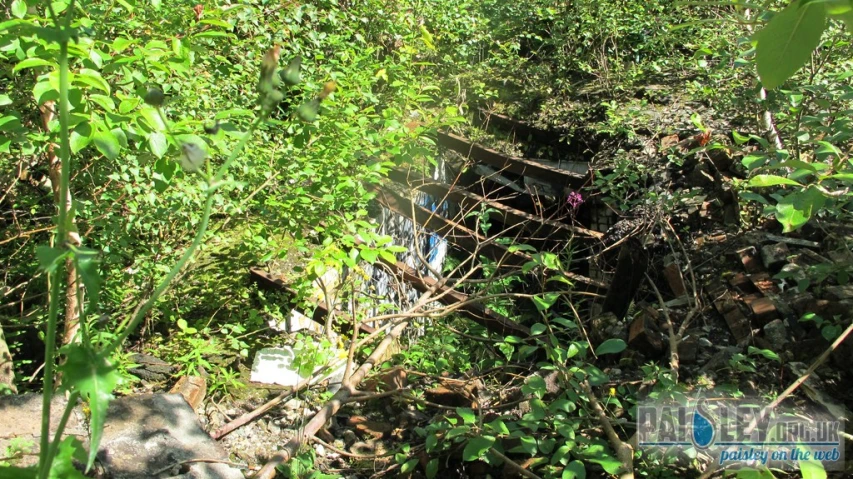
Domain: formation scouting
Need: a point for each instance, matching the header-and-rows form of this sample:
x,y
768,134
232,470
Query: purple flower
x,y
574,199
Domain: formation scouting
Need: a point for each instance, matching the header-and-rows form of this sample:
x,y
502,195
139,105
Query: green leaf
x,y
369,255
812,470
45,91
158,144
87,261
611,346
609,463
527,445
79,141
409,466
19,8
92,78
430,442
739,139
762,181
5,100
107,143
847,18
538,329
575,470
127,105
498,426
93,376
432,468
49,257
787,42
164,171
545,301
795,210
536,385
476,447
467,415
20,472
388,256
152,118
70,449
32,63
103,101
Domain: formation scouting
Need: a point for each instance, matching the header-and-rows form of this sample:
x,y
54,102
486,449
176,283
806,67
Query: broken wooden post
x,y
631,268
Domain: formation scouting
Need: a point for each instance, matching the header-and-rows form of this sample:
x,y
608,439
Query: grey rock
x,y
146,434
775,256
20,420
143,436
776,333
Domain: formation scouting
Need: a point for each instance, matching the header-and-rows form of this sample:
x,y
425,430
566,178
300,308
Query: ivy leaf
x,y
476,447
762,181
787,42
611,346
91,375
107,143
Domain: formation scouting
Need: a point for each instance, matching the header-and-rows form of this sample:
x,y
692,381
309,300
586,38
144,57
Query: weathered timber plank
x,y
519,166
631,268
321,312
465,238
478,313
521,129
501,212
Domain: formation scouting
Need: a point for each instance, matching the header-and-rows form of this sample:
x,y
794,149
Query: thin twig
x,y
349,454
624,451
673,338
193,461
514,465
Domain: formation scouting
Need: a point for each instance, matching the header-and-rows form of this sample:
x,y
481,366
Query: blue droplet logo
x,y
703,428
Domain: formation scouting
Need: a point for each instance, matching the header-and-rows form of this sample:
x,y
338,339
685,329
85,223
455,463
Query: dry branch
x,y
624,451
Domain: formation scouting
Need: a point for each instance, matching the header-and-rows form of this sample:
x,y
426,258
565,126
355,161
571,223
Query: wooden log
x,y
478,313
465,238
321,312
631,268
511,164
505,214
521,129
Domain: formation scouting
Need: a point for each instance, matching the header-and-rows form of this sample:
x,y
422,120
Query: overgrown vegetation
x,y
150,152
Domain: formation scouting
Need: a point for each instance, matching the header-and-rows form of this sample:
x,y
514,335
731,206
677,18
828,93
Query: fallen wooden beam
x,y
478,313
521,129
465,238
631,267
276,283
501,212
519,166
